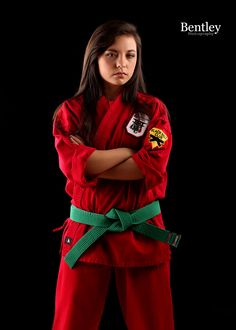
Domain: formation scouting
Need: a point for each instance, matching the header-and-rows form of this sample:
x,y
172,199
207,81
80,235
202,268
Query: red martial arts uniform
x,y
141,264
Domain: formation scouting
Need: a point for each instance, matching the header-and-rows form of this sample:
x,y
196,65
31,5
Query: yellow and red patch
x,y
157,137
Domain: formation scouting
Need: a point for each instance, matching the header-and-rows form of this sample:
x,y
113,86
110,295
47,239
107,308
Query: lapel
x,y
109,115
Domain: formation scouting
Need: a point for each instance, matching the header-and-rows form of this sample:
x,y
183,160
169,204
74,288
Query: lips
x,y
120,74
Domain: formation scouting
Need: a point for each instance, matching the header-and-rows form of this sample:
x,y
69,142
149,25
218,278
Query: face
x,y
116,65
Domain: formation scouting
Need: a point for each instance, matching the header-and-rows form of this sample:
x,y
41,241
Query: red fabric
x,y
127,249
144,295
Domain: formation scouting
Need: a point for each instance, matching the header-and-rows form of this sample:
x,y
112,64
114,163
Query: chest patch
x,y
157,137
138,124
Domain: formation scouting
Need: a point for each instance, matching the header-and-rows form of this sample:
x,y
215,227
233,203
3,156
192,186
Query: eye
x,y
110,55
130,56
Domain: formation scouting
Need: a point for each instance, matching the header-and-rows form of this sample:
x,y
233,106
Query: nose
x,y
120,62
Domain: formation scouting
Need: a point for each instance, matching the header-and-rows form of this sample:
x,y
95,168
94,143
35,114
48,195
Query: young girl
x,y
113,142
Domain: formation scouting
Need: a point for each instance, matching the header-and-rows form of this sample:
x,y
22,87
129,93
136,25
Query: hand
x,y
76,139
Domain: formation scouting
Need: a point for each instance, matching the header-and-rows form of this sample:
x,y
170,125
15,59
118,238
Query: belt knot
x,y
123,220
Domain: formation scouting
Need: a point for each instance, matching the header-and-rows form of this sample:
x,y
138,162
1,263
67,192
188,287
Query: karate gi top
x,y
117,124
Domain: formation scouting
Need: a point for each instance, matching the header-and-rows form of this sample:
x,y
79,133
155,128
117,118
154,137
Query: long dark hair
x,y
91,82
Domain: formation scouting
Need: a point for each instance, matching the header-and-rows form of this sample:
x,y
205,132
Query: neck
x,y
112,92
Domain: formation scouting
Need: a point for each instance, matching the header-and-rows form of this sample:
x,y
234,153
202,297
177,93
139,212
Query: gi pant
x,y
144,294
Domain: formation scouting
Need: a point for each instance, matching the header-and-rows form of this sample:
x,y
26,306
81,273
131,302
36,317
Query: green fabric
x,y
117,221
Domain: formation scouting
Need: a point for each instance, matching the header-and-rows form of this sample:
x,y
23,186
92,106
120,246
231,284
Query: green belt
x,y
117,221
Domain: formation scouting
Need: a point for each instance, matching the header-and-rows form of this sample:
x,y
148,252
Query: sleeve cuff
x,y
152,177
81,155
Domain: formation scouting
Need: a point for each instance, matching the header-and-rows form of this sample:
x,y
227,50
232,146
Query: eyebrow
x,y
115,51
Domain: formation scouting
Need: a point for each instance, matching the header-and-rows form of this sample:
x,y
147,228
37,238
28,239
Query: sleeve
x,y
72,158
152,158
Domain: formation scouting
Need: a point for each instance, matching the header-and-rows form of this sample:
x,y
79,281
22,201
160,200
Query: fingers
x,y
76,139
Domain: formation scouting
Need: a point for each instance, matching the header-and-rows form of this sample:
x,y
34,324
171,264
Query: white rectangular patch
x,y
138,124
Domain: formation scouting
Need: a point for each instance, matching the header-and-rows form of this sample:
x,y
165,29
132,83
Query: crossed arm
x,y
112,164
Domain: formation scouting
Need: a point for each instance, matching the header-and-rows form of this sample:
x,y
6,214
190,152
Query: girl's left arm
x,y
150,162
128,170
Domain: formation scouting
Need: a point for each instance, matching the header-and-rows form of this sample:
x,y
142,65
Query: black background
x,y
42,58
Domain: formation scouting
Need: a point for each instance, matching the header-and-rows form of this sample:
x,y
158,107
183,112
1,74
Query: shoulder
x,y
68,113
156,106
160,128
71,106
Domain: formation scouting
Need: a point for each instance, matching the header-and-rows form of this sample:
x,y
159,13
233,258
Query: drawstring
x,y
61,227
64,226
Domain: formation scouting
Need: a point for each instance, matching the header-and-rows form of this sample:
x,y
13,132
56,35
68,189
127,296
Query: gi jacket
x,y
117,125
